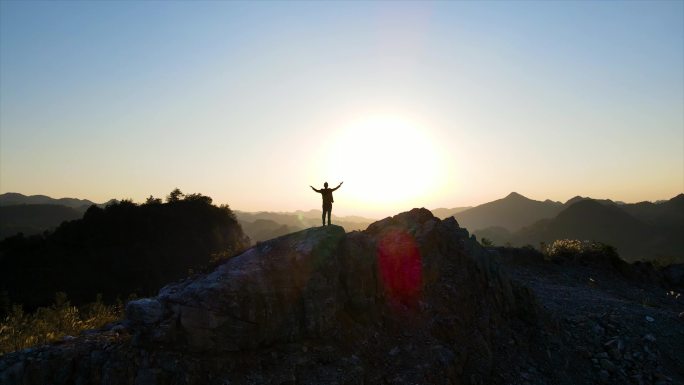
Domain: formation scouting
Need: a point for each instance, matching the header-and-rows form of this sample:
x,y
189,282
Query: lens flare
x,y
400,265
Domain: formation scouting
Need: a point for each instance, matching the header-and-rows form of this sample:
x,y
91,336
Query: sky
x,y
411,104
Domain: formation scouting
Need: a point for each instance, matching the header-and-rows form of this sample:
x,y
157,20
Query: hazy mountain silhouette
x,y
497,234
653,231
589,220
11,198
514,219
264,229
660,213
34,218
578,198
34,214
446,213
512,213
299,220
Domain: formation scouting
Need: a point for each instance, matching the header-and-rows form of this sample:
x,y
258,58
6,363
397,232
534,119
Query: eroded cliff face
x,y
412,299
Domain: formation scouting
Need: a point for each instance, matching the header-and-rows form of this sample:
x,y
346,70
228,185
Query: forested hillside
x,y
122,249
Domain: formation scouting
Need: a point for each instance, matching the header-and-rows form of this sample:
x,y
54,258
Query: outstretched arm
x,y
312,187
338,186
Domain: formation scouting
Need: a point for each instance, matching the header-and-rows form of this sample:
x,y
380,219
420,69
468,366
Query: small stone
x,y
604,375
649,318
144,310
602,355
650,337
394,351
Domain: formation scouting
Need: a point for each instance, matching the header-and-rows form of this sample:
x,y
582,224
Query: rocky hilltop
x,y
410,300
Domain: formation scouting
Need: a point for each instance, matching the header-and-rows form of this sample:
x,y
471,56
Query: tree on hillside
x,y
174,196
122,249
153,201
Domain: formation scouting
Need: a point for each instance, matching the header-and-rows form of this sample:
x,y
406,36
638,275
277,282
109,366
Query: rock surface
x,y
411,300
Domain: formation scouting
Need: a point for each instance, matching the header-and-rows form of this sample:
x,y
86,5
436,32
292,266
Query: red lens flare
x,y
400,267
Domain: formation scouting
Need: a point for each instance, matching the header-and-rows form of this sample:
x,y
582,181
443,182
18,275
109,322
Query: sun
x,y
385,162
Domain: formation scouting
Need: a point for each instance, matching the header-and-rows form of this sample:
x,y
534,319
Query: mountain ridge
x,y
13,198
502,221
639,231
411,299
511,212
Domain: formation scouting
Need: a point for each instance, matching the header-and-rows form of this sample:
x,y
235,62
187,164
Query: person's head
x,y
325,184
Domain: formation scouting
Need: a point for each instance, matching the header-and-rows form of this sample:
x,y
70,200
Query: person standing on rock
x,y
327,196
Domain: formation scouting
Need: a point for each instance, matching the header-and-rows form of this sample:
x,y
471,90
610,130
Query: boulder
x,y
410,284
144,311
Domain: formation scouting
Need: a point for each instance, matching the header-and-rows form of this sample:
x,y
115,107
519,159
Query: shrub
x,y
20,330
584,252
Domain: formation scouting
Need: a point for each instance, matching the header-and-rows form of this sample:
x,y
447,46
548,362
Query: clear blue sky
x,y
245,101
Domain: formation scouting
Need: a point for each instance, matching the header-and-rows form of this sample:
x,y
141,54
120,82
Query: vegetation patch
x,y
20,330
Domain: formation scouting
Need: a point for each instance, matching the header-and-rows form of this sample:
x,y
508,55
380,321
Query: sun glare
x,y
384,162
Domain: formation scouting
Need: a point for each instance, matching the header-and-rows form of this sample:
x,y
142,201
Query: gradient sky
x,y
250,103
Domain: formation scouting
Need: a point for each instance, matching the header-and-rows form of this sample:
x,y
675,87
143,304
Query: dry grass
x,y
21,330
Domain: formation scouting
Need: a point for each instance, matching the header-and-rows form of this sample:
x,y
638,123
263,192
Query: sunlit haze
x,y
411,104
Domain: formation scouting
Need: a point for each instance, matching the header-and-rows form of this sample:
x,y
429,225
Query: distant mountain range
x,y
638,230
37,213
512,213
34,214
34,218
10,199
443,213
264,225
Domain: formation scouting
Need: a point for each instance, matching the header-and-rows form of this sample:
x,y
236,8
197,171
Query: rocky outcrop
x,y
412,299
276,292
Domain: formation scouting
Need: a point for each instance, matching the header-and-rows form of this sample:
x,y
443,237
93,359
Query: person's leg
x,y
323,216
329,212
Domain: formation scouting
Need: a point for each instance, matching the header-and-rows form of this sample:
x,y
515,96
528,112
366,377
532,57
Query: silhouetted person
x,y
326,193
